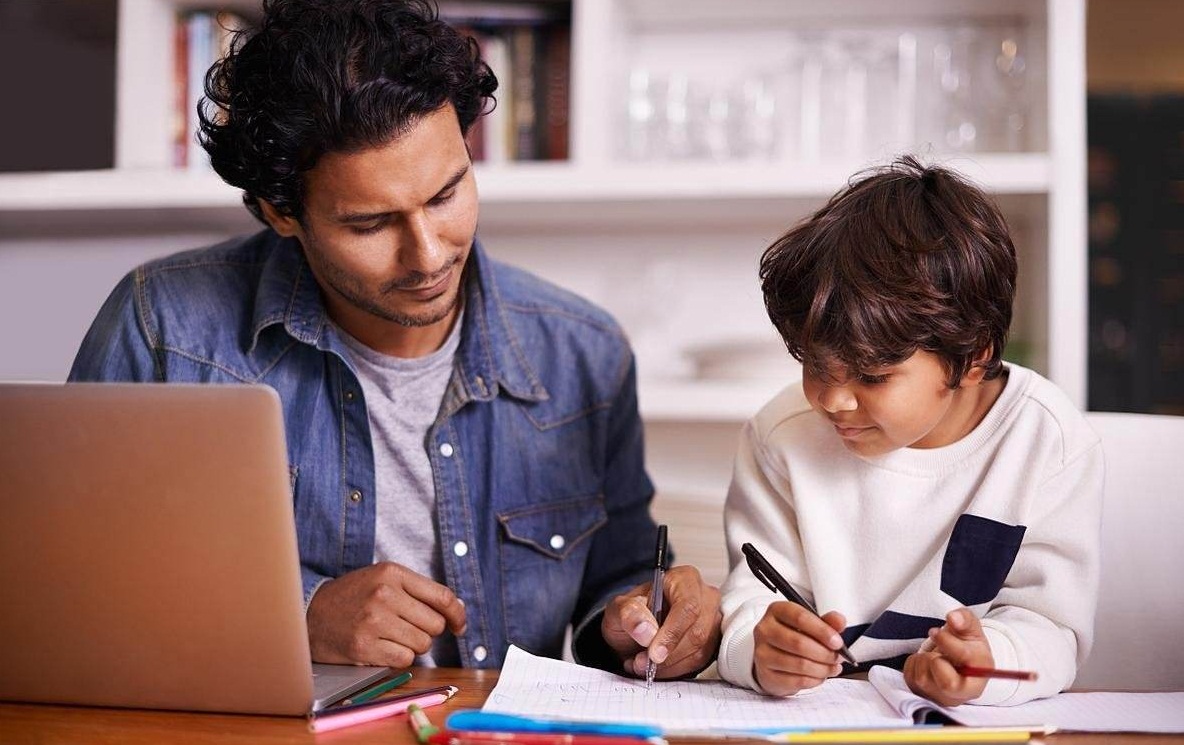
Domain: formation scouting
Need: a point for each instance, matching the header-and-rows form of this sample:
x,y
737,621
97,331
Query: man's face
x,y
387,230
904,405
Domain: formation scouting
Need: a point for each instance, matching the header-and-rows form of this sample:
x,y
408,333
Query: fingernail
x,y
933,632
836,642
644,632
958,620
658,654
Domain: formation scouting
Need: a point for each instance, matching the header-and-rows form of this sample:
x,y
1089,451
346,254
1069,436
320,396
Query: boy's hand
x,y
960,642
795,649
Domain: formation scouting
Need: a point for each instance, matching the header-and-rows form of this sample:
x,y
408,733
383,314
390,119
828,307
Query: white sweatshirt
x,y
1005,521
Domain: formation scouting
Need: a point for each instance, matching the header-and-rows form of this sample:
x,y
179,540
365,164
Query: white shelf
x,y
526,183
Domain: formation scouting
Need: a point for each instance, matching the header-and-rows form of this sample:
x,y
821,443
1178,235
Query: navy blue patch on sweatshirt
x,y
893,625
979,556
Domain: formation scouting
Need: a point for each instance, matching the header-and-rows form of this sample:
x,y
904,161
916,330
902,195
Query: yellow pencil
x,y
917,734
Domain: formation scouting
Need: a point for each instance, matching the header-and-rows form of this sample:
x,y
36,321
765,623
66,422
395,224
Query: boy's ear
x,y
285,225
977,370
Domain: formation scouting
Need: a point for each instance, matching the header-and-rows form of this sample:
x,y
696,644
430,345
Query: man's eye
x,y
366,229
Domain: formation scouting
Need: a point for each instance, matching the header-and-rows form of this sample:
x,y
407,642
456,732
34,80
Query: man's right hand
x,y
384,614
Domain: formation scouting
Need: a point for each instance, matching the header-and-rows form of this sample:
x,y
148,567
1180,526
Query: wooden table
x,y
37,724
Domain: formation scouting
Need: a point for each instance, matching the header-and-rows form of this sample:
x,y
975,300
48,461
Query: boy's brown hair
x,y
904,258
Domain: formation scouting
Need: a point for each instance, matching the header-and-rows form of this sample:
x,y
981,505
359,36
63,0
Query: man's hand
x,y
688,640
793,649
960,642
384,614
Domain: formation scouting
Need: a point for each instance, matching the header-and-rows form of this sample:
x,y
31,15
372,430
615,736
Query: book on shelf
x,y
200,39
528,48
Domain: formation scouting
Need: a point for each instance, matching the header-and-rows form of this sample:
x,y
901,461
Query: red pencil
x,y
971,671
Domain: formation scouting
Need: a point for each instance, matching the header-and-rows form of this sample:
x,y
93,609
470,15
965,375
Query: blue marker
x,y
475,720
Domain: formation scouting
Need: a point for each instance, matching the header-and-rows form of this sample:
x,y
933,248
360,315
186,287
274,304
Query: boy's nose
x,y
836,398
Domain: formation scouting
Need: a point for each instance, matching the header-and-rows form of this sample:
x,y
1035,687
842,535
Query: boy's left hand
x,y
960,641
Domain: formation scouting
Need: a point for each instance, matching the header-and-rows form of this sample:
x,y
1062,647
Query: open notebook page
x,y
546,688
1083,712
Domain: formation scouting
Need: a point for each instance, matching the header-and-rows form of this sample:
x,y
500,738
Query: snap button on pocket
x,y
446,450
557,542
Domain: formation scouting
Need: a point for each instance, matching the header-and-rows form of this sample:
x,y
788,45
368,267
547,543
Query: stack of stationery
x,y
374,703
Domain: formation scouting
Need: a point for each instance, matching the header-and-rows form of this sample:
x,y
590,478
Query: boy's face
x,y
904,405
387,230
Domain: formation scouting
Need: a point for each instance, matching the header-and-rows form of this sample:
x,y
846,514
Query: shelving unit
x,y
606,197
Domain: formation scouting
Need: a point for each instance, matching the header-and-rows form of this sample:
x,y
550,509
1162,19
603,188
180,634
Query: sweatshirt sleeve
x,y
759,510
1043,618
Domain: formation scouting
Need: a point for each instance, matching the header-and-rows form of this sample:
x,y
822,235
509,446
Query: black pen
x,y
651,667
765,572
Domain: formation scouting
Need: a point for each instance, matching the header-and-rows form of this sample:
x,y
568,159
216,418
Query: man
x,y
466,452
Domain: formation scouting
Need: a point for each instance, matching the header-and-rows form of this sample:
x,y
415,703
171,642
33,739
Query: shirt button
x,y
446,450
460,548
480,653
349,395
557,541
355,496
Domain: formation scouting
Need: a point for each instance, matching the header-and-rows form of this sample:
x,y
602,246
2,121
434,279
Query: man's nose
x,y
422,250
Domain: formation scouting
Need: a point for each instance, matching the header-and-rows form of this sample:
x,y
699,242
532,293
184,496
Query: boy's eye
x,y
442,198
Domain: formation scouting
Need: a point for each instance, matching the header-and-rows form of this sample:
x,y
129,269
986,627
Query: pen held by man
x,y
657,589
685,640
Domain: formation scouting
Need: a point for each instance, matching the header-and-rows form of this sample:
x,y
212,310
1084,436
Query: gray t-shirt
x,y
402,400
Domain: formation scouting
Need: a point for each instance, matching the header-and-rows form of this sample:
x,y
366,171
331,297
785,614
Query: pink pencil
x,y
330,721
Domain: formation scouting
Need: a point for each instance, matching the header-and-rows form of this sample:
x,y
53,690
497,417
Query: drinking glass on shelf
x,y
953,60
642,131
678,142
756,127
1009,66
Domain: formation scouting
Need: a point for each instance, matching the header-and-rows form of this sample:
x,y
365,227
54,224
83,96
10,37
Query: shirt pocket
x,y
544,549
978,558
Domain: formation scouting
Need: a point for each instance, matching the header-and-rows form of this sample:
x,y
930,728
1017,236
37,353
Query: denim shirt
x,y
537,455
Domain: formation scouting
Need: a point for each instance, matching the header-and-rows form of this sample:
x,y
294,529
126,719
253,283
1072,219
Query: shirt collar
x,y
490,354
490,350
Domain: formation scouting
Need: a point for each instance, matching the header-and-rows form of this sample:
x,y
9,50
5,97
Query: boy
x,y
939,507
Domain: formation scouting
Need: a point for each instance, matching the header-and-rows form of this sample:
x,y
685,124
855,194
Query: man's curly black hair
x,y
322,76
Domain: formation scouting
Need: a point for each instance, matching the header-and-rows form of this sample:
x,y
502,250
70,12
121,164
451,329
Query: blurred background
x,y
643,153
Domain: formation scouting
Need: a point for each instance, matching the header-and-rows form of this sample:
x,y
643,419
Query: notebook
x,y
550,689
148,552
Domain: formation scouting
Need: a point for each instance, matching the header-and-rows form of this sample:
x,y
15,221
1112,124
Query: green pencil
x,y
378,690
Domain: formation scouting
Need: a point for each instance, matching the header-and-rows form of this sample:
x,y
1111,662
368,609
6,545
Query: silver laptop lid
x,y
147,549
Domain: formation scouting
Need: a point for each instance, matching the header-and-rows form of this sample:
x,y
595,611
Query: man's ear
x,y
285,225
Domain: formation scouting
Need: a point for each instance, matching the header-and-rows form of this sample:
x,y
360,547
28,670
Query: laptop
x,y
148,552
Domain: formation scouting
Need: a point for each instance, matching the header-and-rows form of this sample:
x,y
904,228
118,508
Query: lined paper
x,y
541,687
